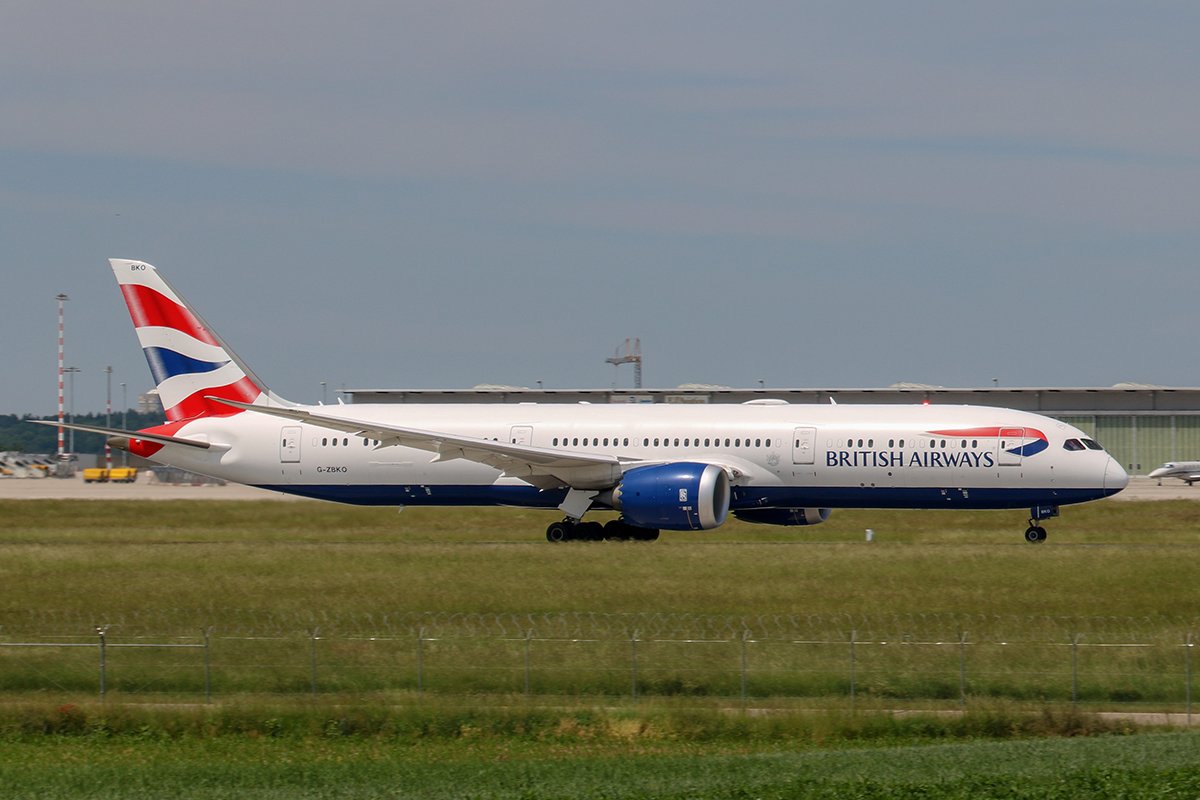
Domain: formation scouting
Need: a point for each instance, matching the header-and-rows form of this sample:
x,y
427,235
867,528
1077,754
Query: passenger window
x,y
902,443
706,443
656,442
964,444
758,442
325,442
768,442
891,442
677,443
727,443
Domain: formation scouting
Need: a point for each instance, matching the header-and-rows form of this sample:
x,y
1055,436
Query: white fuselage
x,y
781,456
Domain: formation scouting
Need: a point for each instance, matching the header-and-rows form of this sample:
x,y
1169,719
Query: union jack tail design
x,y
187,358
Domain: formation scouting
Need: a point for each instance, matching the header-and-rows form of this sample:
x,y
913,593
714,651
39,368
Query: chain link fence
x,y
1128,661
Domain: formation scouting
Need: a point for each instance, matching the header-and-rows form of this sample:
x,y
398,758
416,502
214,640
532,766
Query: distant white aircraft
x,y
1188,471
661,466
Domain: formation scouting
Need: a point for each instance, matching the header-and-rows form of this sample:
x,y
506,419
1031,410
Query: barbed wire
x,y
928,626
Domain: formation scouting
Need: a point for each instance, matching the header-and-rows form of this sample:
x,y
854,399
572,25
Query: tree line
x,y
17,434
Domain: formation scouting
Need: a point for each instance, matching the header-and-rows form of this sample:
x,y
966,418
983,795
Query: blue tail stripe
x,y
166,363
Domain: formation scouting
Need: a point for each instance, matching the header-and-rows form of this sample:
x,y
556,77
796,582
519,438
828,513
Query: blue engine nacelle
x,y
783,516
684,496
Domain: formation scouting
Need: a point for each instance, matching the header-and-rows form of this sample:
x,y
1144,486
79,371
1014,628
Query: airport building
x,y
1142,426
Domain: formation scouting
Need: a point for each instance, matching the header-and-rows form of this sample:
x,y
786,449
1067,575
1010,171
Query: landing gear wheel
x,y
1035,534
589,531
616,531
560,532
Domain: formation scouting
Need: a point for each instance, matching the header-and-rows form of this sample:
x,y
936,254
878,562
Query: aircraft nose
x,y
1115,477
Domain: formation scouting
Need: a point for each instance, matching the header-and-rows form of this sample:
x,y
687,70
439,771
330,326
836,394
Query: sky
x,y
445,194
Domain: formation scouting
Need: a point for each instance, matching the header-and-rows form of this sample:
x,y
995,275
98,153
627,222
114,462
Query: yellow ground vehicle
x,y
114,475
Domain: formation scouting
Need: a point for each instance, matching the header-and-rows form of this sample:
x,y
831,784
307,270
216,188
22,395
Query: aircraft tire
x,y
560,532
1035,534
615,531
589,531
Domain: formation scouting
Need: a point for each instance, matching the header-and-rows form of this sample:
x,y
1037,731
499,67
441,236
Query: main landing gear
x,y
1035,533
614,530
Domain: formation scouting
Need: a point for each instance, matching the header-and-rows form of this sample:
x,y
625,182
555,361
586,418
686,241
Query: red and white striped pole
x,y
108,417
60,298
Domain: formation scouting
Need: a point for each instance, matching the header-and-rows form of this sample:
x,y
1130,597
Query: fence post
x,y
1187,655
1075,668
633,665
207,632
313,635
853,667
101,630
528,639
745,639
962,668
421,660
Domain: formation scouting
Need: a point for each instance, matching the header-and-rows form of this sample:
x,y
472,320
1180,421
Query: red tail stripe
x,y
149,307
146,448
194,405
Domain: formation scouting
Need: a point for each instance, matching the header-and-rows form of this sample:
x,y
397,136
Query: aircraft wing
x,y
539,466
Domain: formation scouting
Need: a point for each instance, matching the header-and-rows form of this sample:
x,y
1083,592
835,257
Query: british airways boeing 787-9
x,y
660,466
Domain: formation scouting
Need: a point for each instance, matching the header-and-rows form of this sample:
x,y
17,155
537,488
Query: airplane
x,y
1188,471
662,467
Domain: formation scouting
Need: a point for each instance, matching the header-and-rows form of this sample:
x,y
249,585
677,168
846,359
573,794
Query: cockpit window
x,y
1072,445
1092,444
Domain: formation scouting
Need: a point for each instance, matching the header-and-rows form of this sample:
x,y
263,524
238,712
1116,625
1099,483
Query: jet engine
x,y
684,496
784,516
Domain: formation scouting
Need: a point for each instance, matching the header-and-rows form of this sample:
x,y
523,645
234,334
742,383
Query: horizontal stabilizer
x,y
124,434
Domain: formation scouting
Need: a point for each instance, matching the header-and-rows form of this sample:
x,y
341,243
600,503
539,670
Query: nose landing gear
x,y
1035,533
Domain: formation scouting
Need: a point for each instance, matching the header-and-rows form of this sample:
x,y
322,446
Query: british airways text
x,y
887,459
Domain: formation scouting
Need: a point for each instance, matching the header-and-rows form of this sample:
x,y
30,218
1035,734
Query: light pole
x,y
124,422
323,384
107,415
61,298
71,373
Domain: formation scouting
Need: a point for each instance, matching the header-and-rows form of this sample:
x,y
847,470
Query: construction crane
x,y
632,355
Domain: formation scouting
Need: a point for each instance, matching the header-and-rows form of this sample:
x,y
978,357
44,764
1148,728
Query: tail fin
x,y
187,358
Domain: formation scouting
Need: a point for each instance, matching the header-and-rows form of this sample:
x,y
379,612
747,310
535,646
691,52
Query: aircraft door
x,y
1011,439
521,434
289,444
804,445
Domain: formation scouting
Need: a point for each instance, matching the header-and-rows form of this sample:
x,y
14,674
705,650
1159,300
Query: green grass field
x,y
264,577
593,755
940,605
